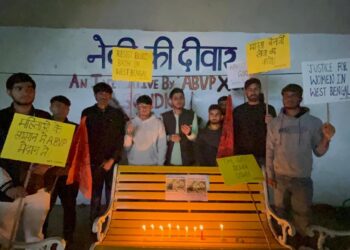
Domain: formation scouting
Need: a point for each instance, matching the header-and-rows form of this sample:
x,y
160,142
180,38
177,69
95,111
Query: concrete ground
x,y
82,238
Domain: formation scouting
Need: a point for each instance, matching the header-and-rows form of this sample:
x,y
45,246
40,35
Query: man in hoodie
x,y
291,139
145,139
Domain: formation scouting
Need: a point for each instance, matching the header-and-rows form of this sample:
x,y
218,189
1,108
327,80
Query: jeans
x,y
294,196
68,195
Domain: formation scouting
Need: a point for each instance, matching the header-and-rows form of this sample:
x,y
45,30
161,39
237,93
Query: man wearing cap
x,y
292,137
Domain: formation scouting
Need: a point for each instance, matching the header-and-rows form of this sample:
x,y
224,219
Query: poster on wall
x,y
268,54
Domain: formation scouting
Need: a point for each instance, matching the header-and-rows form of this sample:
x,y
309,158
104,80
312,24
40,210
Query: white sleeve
x,y
194,130
5,180
162,144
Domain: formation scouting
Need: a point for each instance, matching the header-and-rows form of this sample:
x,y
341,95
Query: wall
x,y
54,55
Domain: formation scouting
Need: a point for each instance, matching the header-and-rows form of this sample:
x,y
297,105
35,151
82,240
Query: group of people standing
x,y
282,146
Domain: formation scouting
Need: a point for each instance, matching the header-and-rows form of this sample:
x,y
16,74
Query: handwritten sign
x,y
187,187
133,65
37,140
268,54
240,169
237,74
326,81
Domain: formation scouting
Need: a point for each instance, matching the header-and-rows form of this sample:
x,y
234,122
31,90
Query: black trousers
x,y
68,195
100,177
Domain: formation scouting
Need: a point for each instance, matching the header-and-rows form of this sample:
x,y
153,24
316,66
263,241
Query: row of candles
x,y
178,230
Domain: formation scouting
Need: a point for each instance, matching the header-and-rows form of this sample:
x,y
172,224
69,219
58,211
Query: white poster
x,y
187,187
237,74
326,81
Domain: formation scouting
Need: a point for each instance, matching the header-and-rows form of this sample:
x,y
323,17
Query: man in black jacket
x,y
250,121
106,130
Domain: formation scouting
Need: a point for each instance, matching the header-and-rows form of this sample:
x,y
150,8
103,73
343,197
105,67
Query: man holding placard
x,y
21,88
250,121
292,137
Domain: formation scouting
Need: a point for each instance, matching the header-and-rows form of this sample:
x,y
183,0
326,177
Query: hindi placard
x,y
132,65
37,140
326,81
240,169
268,54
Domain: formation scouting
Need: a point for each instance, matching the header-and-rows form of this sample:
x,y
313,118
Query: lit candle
x,y
201,228
169,231
186,229
144,230
194,231
222,231
178,230
152,227
161,230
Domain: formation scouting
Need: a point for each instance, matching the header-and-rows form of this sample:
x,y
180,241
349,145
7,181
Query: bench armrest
x,y
101,224
44,244
324,233
287,228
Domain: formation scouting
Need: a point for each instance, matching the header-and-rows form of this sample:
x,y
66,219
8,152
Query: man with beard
x,y
208,139
21,88
250,121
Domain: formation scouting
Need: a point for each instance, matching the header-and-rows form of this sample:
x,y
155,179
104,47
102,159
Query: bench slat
x,y
206,224
212,187
169,169
190,245
138,232
187,216
211,196
187,206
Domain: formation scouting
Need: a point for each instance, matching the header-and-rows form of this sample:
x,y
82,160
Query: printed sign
x,y
187,187
237,74
133,65
268,54
240,169
326,81
37,140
